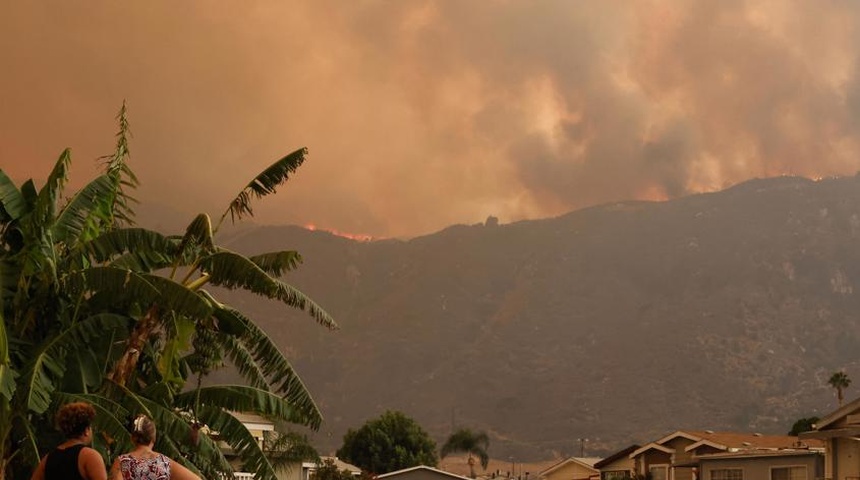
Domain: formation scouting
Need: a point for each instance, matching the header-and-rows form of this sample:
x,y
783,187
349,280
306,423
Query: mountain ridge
x,y
616,323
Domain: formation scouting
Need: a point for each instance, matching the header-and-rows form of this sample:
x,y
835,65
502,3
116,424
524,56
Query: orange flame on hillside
x,y
359,237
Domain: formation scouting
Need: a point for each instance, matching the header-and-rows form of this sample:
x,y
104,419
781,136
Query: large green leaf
x,y
11,199
264,184
236,434
144,288
273,365
89,208
243,360
135,249
232,270
45,368
7,374
277,263
177,343
242,398
49,195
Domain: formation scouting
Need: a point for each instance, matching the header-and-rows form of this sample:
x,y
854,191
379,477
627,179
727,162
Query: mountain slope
x,y
615,323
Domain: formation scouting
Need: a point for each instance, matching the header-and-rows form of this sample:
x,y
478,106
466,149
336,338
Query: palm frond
x,y
180,299
7,373
272,363
232,431
277,263
28,449
118,282
144,288
46,202
11,199
44,369
243,360
232,270
242,398
82,216
139,249
264,184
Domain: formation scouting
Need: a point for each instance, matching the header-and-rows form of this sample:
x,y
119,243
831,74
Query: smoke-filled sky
x,y
419,114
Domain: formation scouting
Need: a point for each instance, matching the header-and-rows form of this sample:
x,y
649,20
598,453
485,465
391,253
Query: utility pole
x,y
582,447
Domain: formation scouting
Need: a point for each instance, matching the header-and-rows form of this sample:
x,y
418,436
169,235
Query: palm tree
x,y
839,381
475,444
80,274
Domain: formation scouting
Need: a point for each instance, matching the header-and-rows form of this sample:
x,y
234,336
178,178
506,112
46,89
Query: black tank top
x,y
63,464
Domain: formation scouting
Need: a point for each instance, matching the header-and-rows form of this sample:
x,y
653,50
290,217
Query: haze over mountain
x,y
617,323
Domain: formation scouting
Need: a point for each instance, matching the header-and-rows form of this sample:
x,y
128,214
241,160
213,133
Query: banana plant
x,y
76,273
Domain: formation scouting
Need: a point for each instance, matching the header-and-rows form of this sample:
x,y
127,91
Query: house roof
x,y
756,453
616,456
837,414
340,464
730,441
650,446
587,462
422,467
254,421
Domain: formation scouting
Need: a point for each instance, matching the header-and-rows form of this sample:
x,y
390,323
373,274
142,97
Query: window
x,y
615,475
788,473
659,472
727,474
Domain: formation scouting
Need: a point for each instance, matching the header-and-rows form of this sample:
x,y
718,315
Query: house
x,y
573,468
840,432
619,465
677,455
258,426
308,468
421,472
764,464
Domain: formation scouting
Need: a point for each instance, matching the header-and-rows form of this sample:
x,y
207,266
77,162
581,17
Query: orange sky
x,y
421,114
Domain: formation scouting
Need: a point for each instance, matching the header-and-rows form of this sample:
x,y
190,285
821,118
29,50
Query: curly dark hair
x,y
74,418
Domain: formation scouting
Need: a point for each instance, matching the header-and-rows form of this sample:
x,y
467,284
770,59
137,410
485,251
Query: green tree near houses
x,y
95,309
801,425
475,444
389,443
839,381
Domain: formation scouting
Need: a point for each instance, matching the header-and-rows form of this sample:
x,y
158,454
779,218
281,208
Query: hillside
x,y
616,323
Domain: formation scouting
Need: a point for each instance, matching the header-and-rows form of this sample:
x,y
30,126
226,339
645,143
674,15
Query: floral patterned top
x,y
152,468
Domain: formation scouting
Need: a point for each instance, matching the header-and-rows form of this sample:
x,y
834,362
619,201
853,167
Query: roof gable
x,y
692,436
585,462
616,456
422,467
840,413
650,446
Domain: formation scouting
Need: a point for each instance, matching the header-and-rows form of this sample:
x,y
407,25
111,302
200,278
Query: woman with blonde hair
x,y
73,459
142,463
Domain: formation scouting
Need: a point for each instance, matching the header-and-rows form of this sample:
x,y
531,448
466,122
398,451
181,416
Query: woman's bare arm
x,y
39,472
178,472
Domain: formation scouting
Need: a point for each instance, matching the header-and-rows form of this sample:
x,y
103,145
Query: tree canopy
x,y
388,443
475,444
803,425
93,308
839,381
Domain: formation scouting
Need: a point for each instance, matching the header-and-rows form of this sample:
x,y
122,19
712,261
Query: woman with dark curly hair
x,y
73,459
142,463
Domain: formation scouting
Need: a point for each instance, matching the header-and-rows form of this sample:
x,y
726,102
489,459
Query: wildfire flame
x,y
359,237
